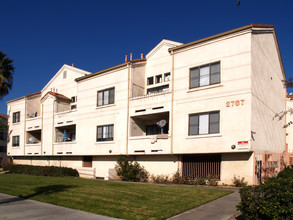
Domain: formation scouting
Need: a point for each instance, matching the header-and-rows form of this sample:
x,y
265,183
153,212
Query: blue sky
x,y
41,36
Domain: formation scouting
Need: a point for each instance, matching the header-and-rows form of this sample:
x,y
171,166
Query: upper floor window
x,y
204,75
106,97
64,74
204,123
158,78
105,133
150,81
16,117
15,141
167,77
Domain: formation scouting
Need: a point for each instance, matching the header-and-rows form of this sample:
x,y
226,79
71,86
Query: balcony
x,y
64,148
150,103
33,123
149,134
65,141
33,149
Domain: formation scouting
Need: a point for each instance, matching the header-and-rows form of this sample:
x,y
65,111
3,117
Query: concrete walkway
x,y
15,208
221,209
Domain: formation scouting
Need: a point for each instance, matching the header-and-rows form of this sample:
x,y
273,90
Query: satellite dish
x,y
162,123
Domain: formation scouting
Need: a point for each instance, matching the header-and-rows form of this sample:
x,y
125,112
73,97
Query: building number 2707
x,y
235,103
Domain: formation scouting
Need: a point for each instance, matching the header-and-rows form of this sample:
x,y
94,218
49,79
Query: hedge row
x,y
42,170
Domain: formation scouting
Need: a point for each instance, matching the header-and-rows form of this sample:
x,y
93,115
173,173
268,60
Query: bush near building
x,y
271,200
42,170
131,171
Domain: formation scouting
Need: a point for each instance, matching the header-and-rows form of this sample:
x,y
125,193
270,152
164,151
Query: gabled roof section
x,y
123,65
56,95
33,94
250,26
64,67
164,42
3,116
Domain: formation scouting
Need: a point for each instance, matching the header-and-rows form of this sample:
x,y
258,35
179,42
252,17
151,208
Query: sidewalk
x,y
15,208
221,209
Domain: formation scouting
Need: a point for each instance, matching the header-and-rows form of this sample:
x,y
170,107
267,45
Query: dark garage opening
x,y
201,165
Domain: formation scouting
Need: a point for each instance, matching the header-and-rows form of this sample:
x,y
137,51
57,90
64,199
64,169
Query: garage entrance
x,y
201,165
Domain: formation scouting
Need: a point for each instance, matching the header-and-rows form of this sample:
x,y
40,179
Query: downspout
x,y
127,113
42,132
24,136
53,127
172,102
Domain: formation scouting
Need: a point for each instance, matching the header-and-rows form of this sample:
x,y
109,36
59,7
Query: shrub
x,y
286,173
188,180
42,170
239,182
271,200
160,179
130,171
212,180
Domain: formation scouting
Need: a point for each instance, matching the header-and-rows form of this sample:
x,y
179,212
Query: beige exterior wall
x,y
268,95
234,55
289,129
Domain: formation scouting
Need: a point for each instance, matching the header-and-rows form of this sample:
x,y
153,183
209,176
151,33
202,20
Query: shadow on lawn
x,y
43,190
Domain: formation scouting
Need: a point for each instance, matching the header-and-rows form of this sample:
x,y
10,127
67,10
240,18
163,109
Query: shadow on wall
x,y
43,190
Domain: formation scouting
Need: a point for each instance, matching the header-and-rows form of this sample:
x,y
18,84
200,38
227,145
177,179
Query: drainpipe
x,y
127,114
42,132
24,136
53,128
172,102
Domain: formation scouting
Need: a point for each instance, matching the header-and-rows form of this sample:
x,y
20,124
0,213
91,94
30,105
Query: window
x,y
16,117
167,77
74,99
105,133
15,141
64,74
106,97
150,80
204,123
158,78
204,75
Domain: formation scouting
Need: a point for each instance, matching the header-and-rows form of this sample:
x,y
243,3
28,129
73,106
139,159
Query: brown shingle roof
x,y
3,116
109,69
32,94
57,95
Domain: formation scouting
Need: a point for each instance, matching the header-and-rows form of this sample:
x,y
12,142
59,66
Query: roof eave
x,y
220,35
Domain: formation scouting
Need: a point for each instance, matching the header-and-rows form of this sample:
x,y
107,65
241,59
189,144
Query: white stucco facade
x,y
217,97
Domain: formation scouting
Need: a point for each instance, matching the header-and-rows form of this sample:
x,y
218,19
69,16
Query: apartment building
x,y
205,107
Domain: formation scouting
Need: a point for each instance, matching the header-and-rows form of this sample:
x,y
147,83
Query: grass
x,y
115,199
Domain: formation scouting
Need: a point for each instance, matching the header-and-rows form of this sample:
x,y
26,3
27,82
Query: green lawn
x,y
116,199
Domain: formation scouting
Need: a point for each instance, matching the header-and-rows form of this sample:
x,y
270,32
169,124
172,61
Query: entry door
x,y
87,161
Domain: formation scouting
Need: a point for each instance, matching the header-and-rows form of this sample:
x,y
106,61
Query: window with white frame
x,y
204,123
204,75
16,117
15,141
106,97
105,133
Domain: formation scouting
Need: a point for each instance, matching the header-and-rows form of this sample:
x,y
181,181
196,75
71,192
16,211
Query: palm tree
x,y
6,74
